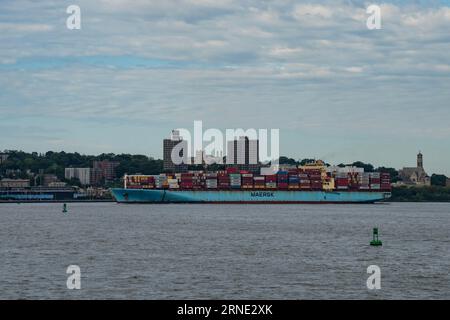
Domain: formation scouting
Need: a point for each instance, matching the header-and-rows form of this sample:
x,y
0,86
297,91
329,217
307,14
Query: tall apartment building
x,y
103,170
82,174
243,153
168,146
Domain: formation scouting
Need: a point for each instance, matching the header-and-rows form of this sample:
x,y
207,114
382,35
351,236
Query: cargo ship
x,y
312,183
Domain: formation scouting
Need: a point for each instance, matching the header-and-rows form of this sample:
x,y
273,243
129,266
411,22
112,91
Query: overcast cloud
x,y
139,68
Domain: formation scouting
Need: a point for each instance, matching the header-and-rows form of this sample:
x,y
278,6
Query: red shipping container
x,y
231,170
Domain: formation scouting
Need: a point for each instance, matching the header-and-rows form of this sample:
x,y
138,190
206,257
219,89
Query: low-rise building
x,y
14,183
57,184
47,179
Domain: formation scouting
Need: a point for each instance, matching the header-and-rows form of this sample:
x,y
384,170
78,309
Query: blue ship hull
x,y
245,196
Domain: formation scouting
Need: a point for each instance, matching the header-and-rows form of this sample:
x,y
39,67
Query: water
x,y
224,251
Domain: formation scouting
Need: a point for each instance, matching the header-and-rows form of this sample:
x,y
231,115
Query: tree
x,y
305,161
438,180
367,166
286,160
393,172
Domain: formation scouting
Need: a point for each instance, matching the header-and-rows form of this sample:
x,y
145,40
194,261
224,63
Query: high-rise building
x,y
243,153
82,174
168,145
104,170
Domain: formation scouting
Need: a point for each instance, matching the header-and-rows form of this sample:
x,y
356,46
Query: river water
x,y
224,251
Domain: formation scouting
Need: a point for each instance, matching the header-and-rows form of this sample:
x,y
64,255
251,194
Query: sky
x,y
312,69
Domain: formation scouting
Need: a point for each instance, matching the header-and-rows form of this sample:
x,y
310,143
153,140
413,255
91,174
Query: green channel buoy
x,y
375,241
64,210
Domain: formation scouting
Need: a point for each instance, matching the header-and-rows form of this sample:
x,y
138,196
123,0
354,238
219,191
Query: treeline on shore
x,y
19,164
420,194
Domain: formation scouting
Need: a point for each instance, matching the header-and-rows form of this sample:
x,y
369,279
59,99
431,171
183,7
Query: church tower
x,y
420,160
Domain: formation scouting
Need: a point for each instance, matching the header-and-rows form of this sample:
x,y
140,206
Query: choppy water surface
x,y
224,251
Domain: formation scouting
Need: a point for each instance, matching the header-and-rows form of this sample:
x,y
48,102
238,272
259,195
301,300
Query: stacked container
x,y
282,180
375,181
161,182
364,180
385,179
231,170
186,181
140,182
247,181
316,184
271,181
341,181
198,181
235,180
223,180
259,182
353,180
211,180
173,183
211,183
294,181
310,179
305,184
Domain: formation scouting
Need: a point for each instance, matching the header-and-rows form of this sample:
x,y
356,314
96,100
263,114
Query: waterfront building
x,y
14,183
47,179
57,184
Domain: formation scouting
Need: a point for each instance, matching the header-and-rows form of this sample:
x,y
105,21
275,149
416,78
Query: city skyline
x,y
375,165
336,90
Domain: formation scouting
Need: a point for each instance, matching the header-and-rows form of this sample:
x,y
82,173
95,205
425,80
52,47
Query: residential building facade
x,y
175,141
82,174
243,153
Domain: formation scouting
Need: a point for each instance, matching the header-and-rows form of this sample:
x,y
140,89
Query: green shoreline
x,y
420,194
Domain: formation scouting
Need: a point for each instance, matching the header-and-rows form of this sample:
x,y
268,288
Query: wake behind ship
x,y
312,183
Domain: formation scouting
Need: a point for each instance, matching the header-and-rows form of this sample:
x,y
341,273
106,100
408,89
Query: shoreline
x,y
110,200
56,201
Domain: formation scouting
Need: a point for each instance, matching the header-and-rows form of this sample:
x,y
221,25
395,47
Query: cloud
x,y
24,27
307,66
316,11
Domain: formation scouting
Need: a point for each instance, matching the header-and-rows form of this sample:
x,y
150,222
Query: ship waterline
x,y
123,195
